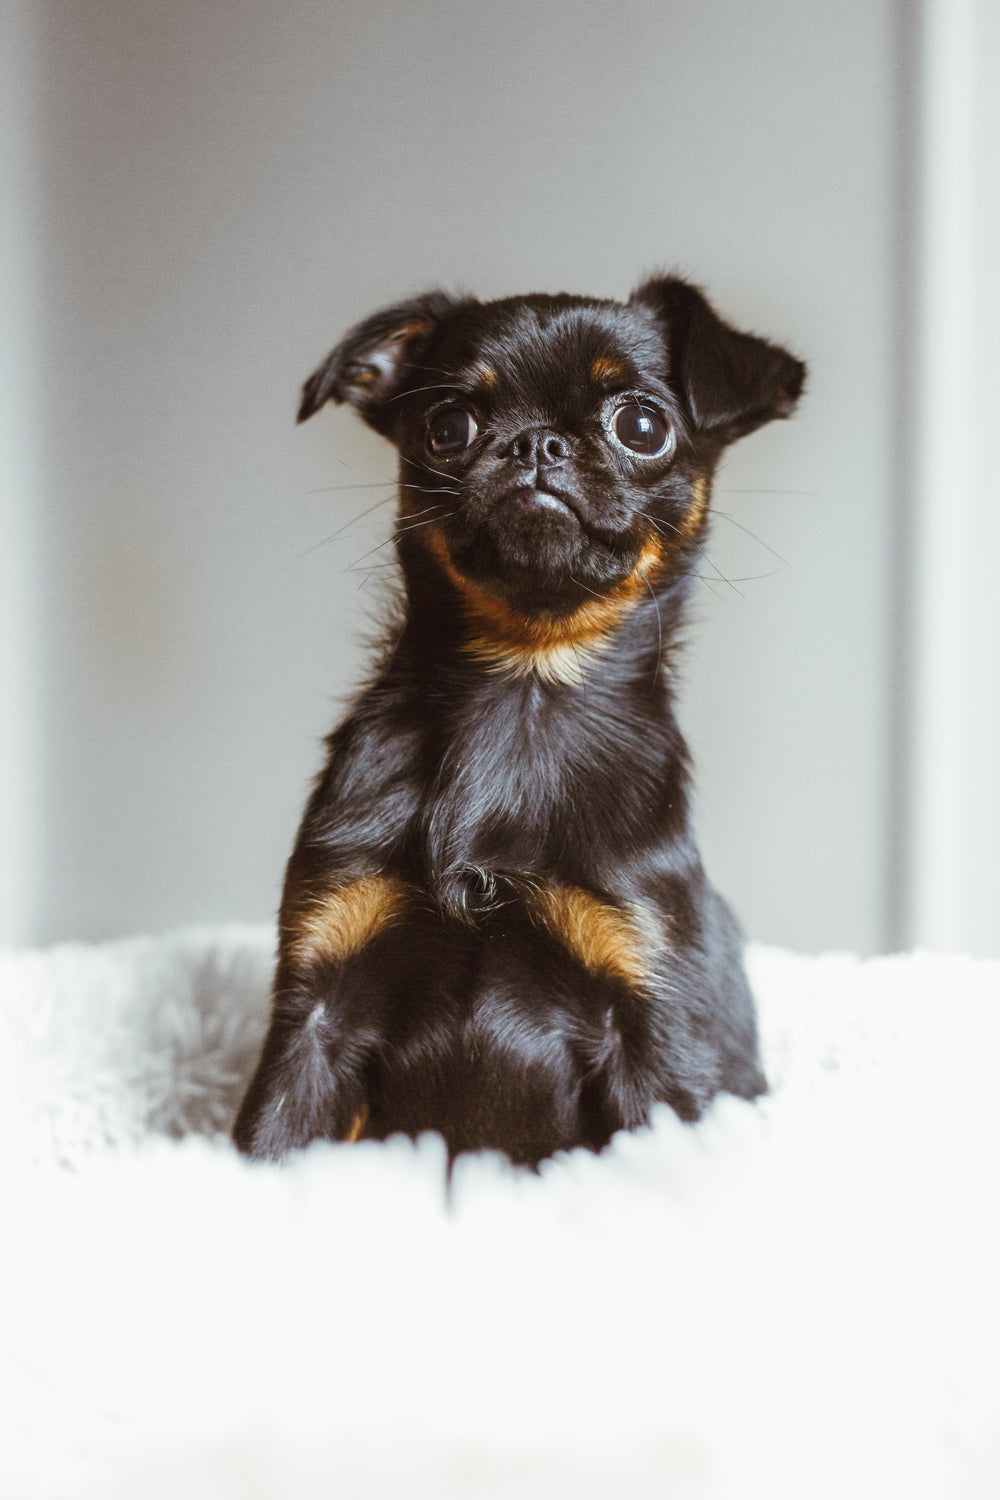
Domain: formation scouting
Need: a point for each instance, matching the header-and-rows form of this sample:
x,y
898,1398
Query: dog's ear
x,y
371,363
729,382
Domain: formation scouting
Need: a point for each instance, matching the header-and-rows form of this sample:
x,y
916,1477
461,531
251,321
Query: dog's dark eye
x,y
450,431
641,429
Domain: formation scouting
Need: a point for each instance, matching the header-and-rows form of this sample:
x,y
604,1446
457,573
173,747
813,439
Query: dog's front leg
x,y
327,1020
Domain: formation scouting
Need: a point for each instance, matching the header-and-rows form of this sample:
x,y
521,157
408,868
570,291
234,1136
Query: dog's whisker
x,y
438,505
708,584
372,568
581,585
726,516
369,574
440,474
332,537
402,530
434,370
386,500
443,385
730,583
425,489
414,524
702,553
330,489
347,525
386,542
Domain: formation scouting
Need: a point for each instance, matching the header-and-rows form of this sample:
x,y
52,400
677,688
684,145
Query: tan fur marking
x,y
341,922
605,938
408,331
554,647
357,1125
604,368
564,663
691,523
487,376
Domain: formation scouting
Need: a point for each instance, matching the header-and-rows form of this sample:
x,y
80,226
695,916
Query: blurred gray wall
x,y
20,498
219,190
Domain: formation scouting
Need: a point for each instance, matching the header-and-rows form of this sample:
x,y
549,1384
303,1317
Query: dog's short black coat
x,y
495,922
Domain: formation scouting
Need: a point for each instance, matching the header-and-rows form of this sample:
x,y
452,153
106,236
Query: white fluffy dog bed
x,y
794,1300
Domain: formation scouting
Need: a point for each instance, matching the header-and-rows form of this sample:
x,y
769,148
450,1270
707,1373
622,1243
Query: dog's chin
x,y
531,550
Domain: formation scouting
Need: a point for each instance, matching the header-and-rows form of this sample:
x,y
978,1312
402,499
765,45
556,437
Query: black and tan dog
x,y
495,922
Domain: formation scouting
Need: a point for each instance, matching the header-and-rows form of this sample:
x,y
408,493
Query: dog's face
x,y
554,449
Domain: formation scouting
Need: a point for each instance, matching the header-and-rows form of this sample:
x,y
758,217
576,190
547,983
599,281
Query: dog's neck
x,y
607,641
537,770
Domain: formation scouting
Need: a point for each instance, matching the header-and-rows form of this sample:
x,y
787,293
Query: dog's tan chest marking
x,y
341,922
606,939
553,647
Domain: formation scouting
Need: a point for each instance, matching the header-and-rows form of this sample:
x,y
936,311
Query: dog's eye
x,y
450,431
641,429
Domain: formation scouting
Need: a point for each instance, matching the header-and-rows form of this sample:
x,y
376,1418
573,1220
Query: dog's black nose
x,y
539,448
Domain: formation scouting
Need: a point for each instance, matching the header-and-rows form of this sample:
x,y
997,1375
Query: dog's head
x,y
557,448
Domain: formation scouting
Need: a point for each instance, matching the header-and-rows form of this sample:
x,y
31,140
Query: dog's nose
x,y
539,448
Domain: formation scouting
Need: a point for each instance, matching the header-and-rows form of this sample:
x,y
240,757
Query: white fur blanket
x,y
794,1300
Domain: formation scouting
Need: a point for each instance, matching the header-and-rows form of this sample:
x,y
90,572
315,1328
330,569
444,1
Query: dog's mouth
x,y
532,500
533,541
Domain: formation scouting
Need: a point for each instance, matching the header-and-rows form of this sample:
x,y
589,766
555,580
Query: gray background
x,y
212,192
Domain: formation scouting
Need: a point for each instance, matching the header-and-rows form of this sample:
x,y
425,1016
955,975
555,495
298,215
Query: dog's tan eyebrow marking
x,y
607,939
408,331
338,923
605,368
487,376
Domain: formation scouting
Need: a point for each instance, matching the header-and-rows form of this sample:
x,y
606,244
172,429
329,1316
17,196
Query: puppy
x,y
495,922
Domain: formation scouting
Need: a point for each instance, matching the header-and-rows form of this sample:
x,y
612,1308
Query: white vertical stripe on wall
x,y
954,876
20,831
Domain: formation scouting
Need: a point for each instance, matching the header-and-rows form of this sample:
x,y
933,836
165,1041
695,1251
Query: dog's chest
x,y
528,781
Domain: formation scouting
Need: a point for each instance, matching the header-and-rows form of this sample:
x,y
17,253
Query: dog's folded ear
x,y
370,364
729,382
